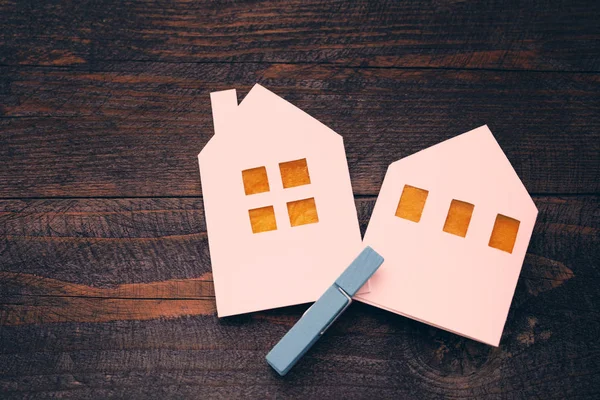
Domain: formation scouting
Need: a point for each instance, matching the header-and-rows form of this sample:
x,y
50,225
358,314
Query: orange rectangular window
x,y
411,204
255,180
504,233
294,173
302,212
262,219
459,217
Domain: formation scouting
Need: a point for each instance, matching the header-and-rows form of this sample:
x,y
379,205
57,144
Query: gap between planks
x,y
88,66
200,197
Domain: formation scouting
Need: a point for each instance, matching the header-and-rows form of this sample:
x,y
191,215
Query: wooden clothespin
x,y
323,313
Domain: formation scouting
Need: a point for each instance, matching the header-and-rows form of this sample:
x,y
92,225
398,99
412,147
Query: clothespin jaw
x,y
321,315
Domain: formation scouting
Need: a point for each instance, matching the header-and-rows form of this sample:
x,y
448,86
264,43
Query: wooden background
x,y
105,282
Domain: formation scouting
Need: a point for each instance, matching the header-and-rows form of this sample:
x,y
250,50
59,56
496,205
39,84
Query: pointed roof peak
x,y
475,156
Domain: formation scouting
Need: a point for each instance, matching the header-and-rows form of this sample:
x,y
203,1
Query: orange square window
x,y
504,234
302,212
255,180
459,217
294,173
262,219
411,204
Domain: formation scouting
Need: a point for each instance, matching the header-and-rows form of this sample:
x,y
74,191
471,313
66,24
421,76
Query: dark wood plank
x,y
116,241
92,337
547,35
369,352
134,129
103,243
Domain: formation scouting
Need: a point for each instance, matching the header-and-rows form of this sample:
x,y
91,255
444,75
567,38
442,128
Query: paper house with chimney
x,y
453,223
280,213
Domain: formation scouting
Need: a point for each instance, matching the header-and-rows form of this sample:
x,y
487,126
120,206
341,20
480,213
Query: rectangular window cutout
x,y
262,219
255,180
294,173
459,217
302,212
504,234
411,203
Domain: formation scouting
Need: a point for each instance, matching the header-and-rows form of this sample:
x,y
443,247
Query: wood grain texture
x,y
110,242
134,129
92,338
545,35
50,301
105,280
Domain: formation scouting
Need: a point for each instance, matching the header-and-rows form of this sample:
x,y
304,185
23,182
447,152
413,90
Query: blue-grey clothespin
x,y
317,319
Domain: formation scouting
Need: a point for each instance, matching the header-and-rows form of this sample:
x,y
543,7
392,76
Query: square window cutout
x,y
459,217
504,234
294,173
262,219
302,212
255,180
411,203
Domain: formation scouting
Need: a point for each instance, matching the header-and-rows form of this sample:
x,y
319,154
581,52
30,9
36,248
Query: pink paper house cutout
x,y
461,284
291,264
